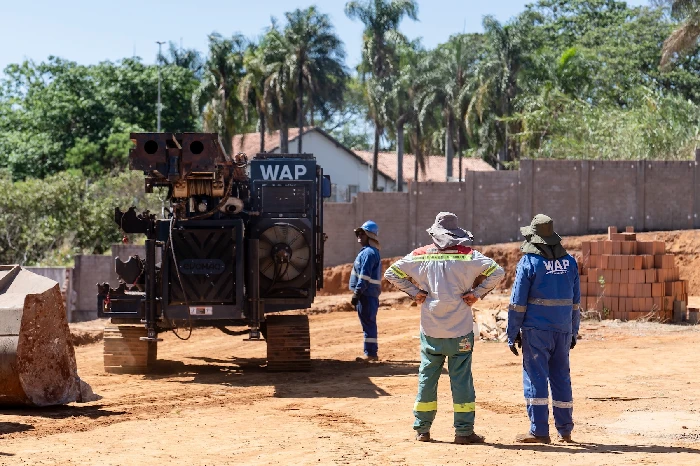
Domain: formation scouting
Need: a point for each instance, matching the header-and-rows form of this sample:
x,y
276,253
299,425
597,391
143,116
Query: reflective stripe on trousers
x,y
433,352
545,365
367,308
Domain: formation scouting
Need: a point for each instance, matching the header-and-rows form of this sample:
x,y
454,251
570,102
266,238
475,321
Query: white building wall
x,y
344,169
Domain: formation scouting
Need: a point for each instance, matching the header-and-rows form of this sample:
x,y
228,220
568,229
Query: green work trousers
x,y
459,364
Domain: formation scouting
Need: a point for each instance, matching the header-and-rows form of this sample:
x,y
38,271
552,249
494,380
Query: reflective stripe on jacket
x,y
366,276
545,296
445,274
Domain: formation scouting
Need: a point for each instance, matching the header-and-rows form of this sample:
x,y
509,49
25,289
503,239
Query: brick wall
x,y
582,196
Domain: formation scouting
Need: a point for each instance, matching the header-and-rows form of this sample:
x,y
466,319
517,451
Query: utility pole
x,y
160,61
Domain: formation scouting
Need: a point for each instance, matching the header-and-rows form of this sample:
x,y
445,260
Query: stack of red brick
x,y
629,278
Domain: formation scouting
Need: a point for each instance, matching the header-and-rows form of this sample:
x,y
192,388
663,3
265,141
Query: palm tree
x,y
448,82
190,59
252,88
404,96
279,85
498,82
381,19
216,98
685,37
317,60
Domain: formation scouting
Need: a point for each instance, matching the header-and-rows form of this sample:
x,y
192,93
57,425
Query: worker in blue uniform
x,y
543,319
366,285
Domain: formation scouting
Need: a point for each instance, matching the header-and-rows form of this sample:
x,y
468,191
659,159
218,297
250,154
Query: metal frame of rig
x,y
238,240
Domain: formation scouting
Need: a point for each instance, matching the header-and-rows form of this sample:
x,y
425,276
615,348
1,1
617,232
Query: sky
x,y
91,31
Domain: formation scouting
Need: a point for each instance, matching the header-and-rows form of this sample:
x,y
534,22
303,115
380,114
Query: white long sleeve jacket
x,y
446,275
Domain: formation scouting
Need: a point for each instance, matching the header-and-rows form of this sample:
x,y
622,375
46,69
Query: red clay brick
x,y
657,290
650,276
638,262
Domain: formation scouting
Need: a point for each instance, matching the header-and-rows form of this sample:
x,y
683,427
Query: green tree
x,y
280,85
318,57
381,19
217,95
685,37
252,88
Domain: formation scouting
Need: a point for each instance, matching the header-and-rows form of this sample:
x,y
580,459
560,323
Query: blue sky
x,y
92,31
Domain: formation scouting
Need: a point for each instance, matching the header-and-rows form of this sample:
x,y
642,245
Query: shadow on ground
x,y
59,412
13,428
590,447
327,378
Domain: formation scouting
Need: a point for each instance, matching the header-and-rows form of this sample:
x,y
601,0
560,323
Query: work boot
x,y
530,438
423,436
366,358
467,439
564,438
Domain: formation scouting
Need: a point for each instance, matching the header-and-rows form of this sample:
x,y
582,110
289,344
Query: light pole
x,y
160,60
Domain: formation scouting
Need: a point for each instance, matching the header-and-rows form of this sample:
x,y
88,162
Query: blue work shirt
x,y
366,277
546,296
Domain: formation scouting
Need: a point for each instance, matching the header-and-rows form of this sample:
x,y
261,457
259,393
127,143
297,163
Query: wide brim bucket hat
x,y
445,231
541,231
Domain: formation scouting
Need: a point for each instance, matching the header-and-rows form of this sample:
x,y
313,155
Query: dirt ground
x,y
210,401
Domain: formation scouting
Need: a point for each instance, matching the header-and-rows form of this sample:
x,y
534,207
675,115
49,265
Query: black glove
x,y
519,341
355,299
573,341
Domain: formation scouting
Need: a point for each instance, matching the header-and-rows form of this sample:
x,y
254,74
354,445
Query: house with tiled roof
x,y
435,166
351,171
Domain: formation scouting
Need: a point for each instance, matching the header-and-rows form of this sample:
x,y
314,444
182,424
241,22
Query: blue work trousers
x,y
546,364
433,352
367,308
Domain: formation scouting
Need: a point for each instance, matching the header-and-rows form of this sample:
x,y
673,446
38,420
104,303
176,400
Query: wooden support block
x,y
650,276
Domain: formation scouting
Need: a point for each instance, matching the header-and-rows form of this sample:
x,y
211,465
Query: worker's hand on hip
x,y
469,298
420,297
355,299
573,341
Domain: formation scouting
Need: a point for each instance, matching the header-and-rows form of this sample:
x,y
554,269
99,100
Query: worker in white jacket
x,y
445,272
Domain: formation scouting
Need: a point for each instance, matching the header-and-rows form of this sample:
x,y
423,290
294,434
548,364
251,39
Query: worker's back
x,y
445,274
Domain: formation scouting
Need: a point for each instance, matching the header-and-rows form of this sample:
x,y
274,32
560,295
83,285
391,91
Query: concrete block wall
x,y
582,196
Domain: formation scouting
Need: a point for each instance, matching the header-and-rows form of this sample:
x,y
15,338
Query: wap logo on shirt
x,y
557,267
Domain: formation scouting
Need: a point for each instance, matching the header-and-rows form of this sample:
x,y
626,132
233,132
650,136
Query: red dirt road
x,y
210,402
